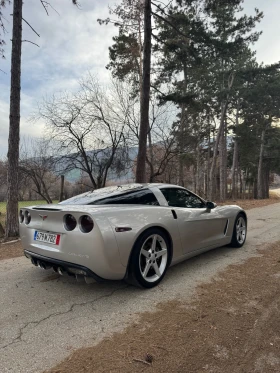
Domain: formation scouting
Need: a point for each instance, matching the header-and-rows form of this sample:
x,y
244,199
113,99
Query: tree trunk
x,y
45,192
12,225
234,169
225,160
241,185
255,190
151,160
194,186
2,232
235,157
145,99
266,182
197,176
260,191
208,158
181,145
183,123
223,165
215,152
61,188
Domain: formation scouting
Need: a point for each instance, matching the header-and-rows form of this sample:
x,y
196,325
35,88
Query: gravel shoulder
x,y
44,318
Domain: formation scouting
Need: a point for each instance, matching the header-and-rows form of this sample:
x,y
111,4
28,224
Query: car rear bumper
x,y
96,251
61,266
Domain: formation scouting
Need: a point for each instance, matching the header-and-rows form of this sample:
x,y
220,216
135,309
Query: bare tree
x,y
37,164
162,140
87,128
3,3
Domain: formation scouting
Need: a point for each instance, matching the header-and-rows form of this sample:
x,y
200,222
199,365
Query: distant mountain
x,y
62,163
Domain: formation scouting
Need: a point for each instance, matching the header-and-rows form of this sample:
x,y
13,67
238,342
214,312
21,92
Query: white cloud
x,y
73,42
70,44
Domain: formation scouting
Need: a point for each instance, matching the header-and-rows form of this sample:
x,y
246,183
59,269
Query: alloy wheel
x,y
241,230
153,258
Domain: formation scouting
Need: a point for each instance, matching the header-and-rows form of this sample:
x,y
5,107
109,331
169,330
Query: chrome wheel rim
x,y
240,230
153,258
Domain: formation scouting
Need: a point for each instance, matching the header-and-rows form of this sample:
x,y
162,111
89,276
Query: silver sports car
x,y
132,232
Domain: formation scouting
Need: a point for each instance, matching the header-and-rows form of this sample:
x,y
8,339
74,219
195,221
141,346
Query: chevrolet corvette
x,y
132,232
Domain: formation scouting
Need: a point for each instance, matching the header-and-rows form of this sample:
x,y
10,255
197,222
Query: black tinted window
x,y
181,198
140,197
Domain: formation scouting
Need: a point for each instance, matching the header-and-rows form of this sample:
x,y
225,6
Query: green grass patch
x,y
24,204
20,205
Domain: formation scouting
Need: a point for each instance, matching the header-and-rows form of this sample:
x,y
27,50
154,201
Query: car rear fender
x,y
138,222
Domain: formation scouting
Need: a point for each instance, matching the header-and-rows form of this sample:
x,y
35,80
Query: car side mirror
x,y
210,205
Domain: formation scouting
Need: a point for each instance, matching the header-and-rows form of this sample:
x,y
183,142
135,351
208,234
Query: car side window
x,y
139,197
181,198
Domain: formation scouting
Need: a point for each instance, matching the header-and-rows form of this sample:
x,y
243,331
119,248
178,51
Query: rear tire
x,y
239,233
150,258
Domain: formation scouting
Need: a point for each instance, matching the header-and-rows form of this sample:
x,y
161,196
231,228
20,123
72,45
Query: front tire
x,y
239,233
150,258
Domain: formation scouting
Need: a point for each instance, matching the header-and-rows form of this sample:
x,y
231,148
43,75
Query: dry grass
x,y
10,250
231,326
248,204
20,205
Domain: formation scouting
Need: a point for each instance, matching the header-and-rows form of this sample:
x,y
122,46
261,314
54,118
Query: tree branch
x,y
45,6
170,24
28,41
30,26
165,5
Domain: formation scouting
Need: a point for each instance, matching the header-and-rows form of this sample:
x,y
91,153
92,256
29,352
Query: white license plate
x,y
47,237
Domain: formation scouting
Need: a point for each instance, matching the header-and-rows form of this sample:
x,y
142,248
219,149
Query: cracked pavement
x,y
43,318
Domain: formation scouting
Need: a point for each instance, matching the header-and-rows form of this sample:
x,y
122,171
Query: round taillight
x,y
86,224
27,217
70,222
21,216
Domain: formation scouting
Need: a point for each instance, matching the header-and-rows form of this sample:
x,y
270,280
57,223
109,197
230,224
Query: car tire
x,y
239,233
150,258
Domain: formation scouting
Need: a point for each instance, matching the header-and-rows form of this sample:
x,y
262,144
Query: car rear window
x,y
139,197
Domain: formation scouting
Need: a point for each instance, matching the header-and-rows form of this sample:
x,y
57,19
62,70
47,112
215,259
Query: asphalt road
x,y
43,317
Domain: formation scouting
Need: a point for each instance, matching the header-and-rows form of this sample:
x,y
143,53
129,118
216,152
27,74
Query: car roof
x,y
113,190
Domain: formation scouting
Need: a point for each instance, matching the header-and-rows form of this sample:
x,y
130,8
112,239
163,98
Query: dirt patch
x,y
231,325
10,250
248,204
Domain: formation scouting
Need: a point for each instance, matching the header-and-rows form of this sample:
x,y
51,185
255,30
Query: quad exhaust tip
x,y
78,273
42,265
34,262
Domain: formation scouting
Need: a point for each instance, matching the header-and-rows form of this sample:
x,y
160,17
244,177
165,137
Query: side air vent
x,y
174,214
226,227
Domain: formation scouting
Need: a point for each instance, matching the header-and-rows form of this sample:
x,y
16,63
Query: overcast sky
x,y
72,43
